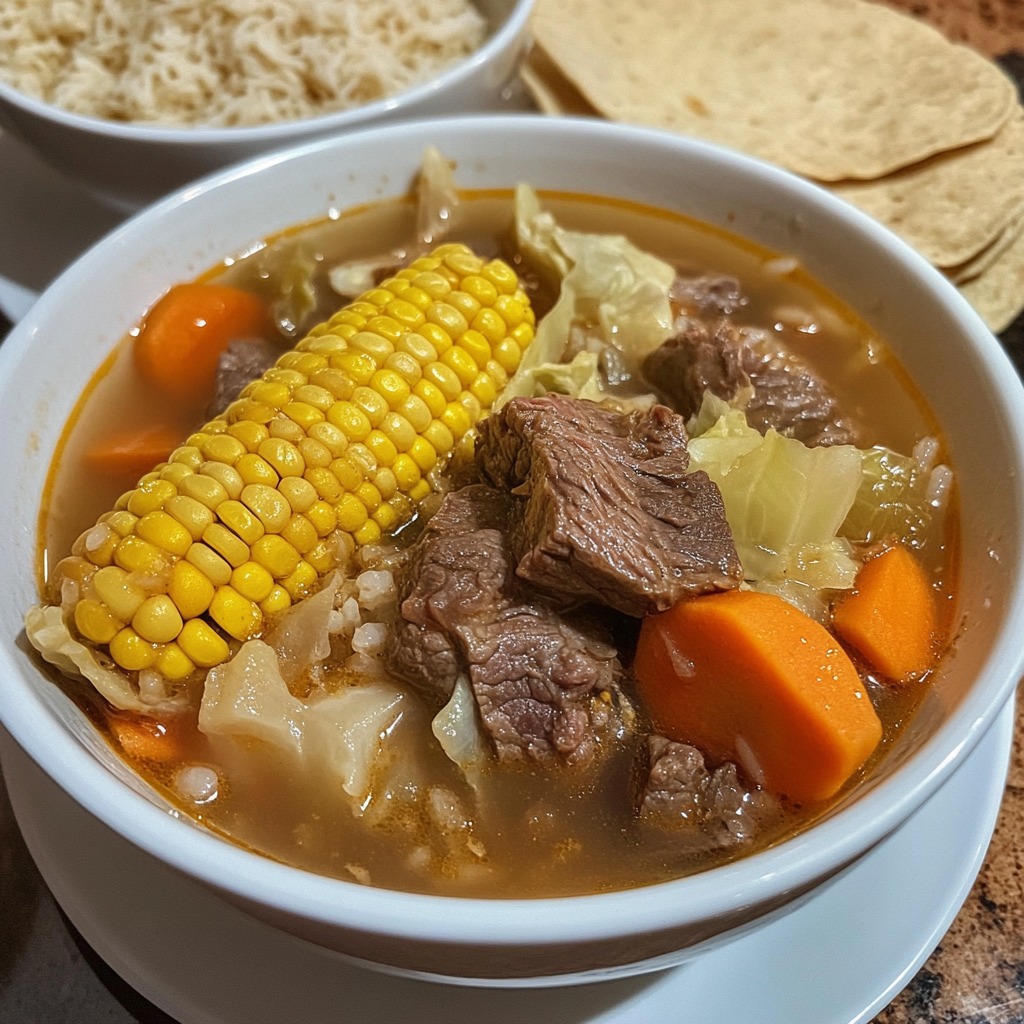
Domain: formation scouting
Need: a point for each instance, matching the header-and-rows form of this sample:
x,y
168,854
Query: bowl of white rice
x,y
134,98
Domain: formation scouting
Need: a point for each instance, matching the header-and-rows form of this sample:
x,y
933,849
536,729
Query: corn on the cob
x,y
341,434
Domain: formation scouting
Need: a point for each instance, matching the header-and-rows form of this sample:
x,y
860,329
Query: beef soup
x,y
544,640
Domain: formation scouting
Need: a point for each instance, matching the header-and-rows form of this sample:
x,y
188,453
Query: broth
x,y
510,830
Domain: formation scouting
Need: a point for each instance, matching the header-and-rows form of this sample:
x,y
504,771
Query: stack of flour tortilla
x,y
923,134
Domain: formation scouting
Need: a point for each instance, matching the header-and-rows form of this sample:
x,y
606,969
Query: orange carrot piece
x,y
747,677
890,618
130,453
184,334
146,739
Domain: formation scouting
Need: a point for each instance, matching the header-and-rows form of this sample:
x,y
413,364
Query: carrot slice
x,y
130,453
746,677
147,739
184,334
890,618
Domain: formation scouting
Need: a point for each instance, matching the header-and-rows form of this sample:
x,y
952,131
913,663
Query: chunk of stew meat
x,y
711,352
608,512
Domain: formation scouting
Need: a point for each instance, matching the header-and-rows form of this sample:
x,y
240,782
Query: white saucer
x,y
838,959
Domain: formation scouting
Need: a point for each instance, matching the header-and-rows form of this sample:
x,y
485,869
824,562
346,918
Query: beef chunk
x,y
546,685
682,793
240,363
785,393
610,514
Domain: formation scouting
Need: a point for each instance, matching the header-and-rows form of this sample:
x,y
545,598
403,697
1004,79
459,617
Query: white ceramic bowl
x,y
953,359
129,165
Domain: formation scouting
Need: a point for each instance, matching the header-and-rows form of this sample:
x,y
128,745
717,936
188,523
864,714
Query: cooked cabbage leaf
x,y
337,738
616,292
784,502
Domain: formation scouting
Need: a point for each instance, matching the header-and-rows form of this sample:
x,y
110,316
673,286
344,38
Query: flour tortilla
x,y
833,89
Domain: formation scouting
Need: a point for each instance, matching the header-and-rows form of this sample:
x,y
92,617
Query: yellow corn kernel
x,y
276,555
227,476
464,303
474,410
235,614
348,473
483,389
322,557
323,517
490,325
330,436
284,429
286,459
133,554
269,505
240,521
118,591
508,354
248,410
298,492
130,651
213,566
96,622
418,347
456,419
372,405
376,346
277,601
385,482
268,392
204,489
408,369
423,453
174,473
399,431
191,589
368,495
150,496
382,447
444,378
302,413
357,365
165,532
249,432
407,473
325,483
227,544
252,581
122,523
336,382
420,491
193,515
315,395
431,396
351,513
173,664
222,448
314,453
501,275
300,533
254,469
350,420
461,363
301,581
385,517
440,437
438,336
202,644
476,346
405,313
158,620
368,533
188,456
